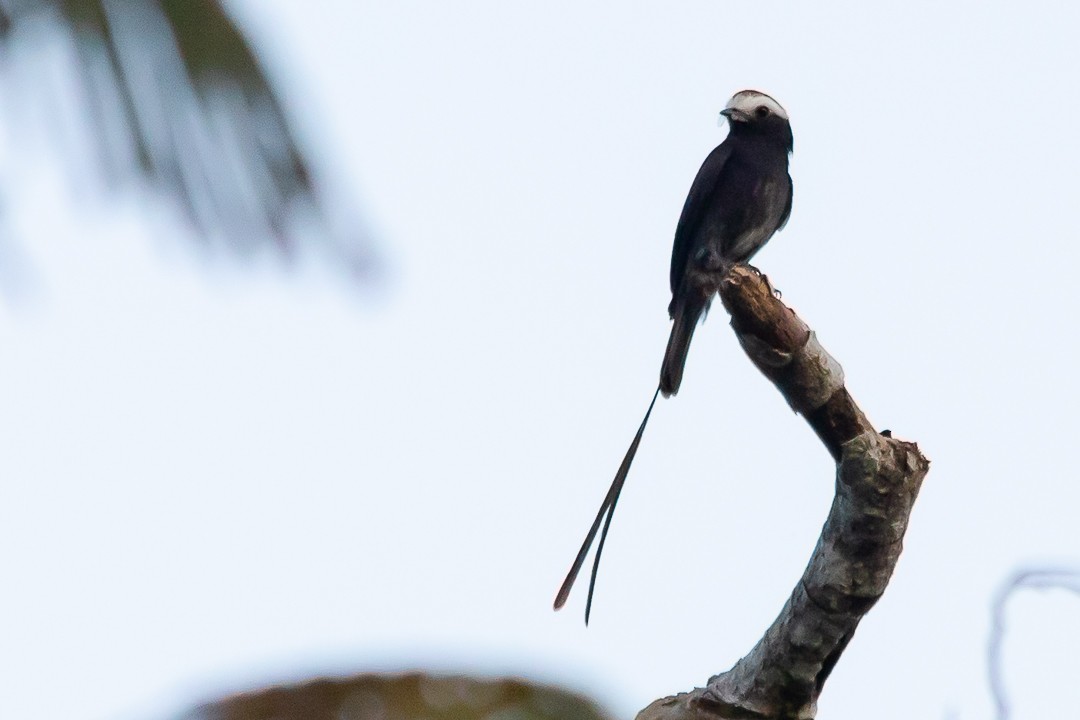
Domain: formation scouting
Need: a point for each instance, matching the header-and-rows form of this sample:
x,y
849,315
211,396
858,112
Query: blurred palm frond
x,y
174,94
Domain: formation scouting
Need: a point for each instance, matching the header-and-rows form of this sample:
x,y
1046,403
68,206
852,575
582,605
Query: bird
x,y
739,199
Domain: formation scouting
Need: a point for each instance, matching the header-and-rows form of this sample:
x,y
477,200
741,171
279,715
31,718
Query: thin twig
x,y
1031,578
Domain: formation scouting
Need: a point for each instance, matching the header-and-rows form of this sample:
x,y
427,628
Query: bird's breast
x,y
763,214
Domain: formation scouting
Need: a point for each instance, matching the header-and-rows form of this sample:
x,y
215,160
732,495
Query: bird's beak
x,y
734,115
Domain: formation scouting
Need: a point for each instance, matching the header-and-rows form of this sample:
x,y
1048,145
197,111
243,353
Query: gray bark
x,y
877,481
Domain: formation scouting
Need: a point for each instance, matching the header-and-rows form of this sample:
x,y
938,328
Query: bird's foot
x,y
775,291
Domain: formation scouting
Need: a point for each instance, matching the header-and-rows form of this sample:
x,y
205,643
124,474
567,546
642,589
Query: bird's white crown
x,y
748,101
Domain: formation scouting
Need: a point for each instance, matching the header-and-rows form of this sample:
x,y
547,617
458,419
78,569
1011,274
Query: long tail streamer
x,y
607,509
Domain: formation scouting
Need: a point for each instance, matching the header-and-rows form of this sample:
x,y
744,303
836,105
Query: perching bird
x,y
740,198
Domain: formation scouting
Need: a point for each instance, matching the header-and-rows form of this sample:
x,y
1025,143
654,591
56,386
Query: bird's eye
x,y
762,111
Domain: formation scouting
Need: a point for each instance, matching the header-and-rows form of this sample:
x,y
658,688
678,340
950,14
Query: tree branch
x,y
877,481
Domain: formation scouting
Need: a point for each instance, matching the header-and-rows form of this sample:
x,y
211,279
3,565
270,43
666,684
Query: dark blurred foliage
x,y
175,94
402,697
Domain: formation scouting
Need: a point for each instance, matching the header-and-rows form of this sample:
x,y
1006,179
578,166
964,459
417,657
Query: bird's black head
x,y
753,113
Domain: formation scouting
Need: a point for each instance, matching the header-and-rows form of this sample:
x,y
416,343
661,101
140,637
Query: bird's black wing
x,y
697,202
787,208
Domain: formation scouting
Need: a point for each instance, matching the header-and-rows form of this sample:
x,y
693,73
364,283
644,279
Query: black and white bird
x,y
739,199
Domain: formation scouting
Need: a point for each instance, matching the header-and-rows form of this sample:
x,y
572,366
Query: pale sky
x,y
214,477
